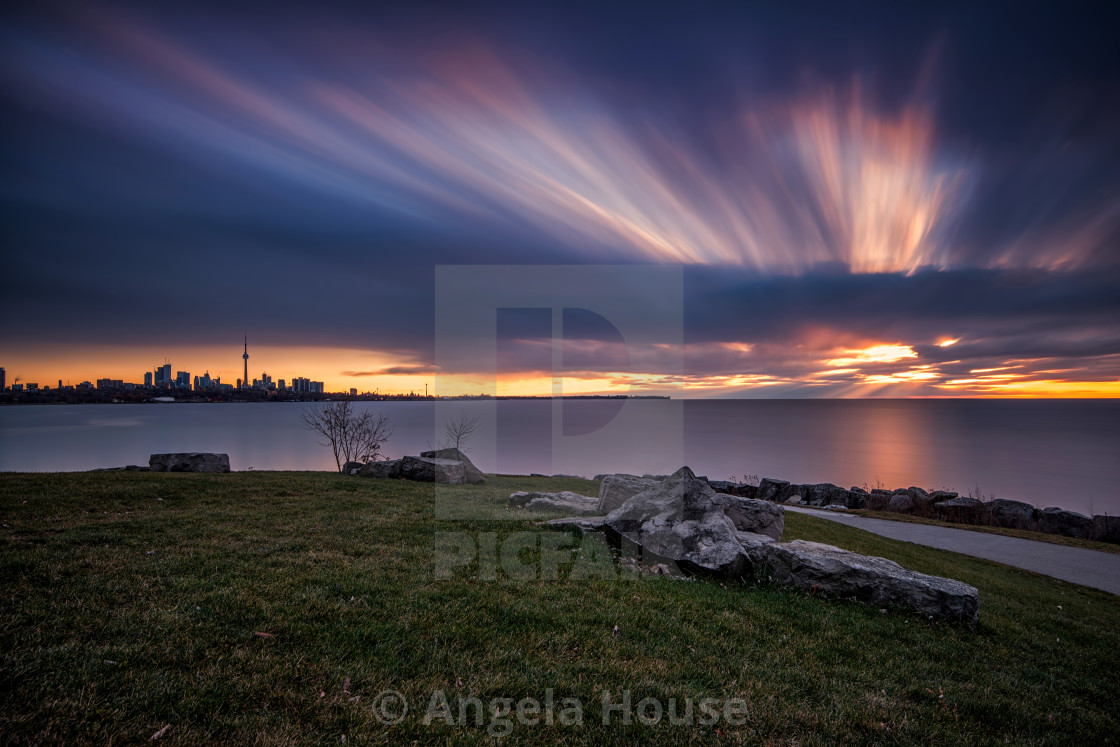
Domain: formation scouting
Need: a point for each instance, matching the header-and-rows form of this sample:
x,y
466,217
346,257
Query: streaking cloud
x,y
820,179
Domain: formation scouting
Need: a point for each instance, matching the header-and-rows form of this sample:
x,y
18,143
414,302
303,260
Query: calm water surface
x,y
1064,453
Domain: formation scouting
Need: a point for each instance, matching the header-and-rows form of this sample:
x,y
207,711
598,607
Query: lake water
x,y
1046,452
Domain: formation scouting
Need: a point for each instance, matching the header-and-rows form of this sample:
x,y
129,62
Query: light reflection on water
x,y
1047,452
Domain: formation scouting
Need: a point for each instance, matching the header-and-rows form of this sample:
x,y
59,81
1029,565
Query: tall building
x,y
183,380
245,358
147,378
3,380
163,376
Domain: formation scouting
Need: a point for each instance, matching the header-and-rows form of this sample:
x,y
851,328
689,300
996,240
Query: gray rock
x,y
385,468
585,524
857,498
834,507
940,496
471,474
901,502
566,502
614,490
821,494
961,508
793,500
681,520
1014,514
352,468
833,572
192,462
1069,523
429,469
750,515
771,490
753,540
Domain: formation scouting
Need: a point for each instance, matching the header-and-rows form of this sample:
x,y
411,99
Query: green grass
x,y
132,601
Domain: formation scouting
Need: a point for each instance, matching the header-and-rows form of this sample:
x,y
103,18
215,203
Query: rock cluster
x,y
443,466
684,523
940,504
192,462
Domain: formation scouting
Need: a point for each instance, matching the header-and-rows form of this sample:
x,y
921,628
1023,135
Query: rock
x,y
1014,514
614,490
824,493
193,462
429,469
723,486
901,503
681,519
793,500
385,468
922,500
471,474
753,540
750,515
1069,523
352,468
878,500
962,509
659,478
834,507
585,524
940,496
771,490
1106,528
566,502
857,498
833,572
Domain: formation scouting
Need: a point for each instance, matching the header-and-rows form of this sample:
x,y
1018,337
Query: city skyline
x,y
865,201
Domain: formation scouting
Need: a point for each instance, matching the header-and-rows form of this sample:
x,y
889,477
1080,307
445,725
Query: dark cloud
x,y
184,172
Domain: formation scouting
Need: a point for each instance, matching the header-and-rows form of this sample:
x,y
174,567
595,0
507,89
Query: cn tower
x,y
245,357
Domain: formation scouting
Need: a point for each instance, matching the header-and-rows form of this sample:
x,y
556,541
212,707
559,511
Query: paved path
x,y
1100,570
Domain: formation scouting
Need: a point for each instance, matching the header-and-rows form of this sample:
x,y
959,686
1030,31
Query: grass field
x,y
133,602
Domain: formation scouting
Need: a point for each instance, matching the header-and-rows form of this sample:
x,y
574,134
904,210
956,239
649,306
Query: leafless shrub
x,y
352,436
458,431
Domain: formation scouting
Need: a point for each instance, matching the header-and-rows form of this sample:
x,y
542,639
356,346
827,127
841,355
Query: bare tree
x,y
460,430
352,436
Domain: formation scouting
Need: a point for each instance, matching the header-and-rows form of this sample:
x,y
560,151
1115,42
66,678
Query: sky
x,y
863,200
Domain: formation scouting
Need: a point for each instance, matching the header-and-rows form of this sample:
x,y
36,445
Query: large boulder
x,y
833,572
471,474
429,469
1055,520
901,503
750,515
857,497
192,462
960,509
564,502
772,490
825,493
614,490
385,468
352,468
680,520
1014,514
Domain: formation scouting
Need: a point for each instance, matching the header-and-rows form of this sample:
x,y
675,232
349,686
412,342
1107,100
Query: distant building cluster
x,y
160,379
